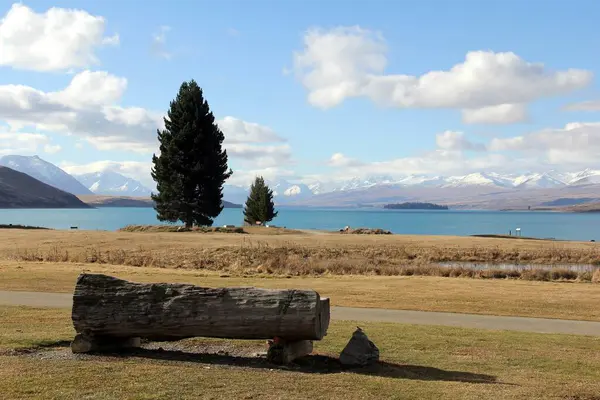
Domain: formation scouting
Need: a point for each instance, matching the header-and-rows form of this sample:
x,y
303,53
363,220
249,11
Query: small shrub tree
x,y
259,205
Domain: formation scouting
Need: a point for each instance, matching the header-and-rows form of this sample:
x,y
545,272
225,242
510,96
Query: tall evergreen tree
x,y
192,166
259,205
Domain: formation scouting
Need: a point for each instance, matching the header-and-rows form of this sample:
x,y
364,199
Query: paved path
x,y
541,325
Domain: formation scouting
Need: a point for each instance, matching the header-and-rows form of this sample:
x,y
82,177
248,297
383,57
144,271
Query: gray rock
x,y
359,351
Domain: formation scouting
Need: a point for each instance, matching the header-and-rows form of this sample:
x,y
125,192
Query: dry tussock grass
x,y
179,228
288,258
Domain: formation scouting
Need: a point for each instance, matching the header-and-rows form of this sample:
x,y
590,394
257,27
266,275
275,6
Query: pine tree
x,y
192,166
259,205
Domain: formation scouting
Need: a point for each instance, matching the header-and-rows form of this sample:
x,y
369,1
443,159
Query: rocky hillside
x,y
19,190
45,172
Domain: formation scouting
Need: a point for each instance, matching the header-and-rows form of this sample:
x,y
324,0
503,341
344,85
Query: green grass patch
x,y
417,362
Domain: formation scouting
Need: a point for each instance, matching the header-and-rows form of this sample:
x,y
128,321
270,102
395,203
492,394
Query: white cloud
x,y
52,149
252,144
500,114
577,144
89,88
337,64
238,131
86,108
451,140
21,142
347,62
159,43
340,160
437,162
243,177
254,156
590,105
113,40
58,39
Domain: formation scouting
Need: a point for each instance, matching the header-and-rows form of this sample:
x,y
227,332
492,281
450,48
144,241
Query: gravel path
x,y
524,324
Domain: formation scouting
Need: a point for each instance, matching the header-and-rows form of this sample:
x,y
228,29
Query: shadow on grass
x,y
315,364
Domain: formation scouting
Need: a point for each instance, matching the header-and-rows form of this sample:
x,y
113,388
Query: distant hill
x,y
112,183
415,206
19,190
45,172
125,201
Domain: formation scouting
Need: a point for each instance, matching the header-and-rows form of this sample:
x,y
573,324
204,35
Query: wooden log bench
x,y
111,314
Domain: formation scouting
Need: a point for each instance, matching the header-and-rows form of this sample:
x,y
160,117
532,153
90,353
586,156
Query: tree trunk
x,y
104,306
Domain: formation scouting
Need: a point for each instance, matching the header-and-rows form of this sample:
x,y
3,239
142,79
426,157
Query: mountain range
x,y
113,183
106,183
379,189
476,190
45,172
19,190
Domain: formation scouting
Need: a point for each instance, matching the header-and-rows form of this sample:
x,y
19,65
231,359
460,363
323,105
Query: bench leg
x,y
90,344
283,352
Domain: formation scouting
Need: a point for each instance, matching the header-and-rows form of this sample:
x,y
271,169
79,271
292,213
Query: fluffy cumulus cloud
x,y
573,147
500,114
159,43
88,108
450,140
576,145
253,145
340,160
436,162
244,177
253,149
238,131
26,143
347,62
590,105
54,40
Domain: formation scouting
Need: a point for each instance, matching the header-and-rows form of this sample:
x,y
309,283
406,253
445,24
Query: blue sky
x,y
308,89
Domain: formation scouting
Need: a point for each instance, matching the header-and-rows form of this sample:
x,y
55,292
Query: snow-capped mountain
x,y
421,180
45,172
543,180
286,191
478,179
113,184
361,183
585,177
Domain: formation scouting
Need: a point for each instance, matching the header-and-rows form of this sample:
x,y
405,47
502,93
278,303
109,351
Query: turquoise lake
x,y
570,226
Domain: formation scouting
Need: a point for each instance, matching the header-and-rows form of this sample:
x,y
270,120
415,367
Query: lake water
x,y
570,226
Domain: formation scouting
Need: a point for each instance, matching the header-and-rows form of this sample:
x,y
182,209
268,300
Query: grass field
x,y
277,252
497,297
417,362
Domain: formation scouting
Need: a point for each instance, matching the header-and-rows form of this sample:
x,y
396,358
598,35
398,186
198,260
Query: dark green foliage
x,y
259,205
192,166
415,206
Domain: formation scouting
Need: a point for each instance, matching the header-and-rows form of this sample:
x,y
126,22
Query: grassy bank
x,y
497,297
417,362
281,252
18,226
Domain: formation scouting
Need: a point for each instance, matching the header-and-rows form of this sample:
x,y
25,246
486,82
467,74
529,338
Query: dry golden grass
x,y
265,250
418,362
499,297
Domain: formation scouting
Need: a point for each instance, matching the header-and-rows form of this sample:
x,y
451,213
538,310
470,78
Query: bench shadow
x,y
314,364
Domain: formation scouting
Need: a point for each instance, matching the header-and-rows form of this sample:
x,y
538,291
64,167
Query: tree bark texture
x,y
104,306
